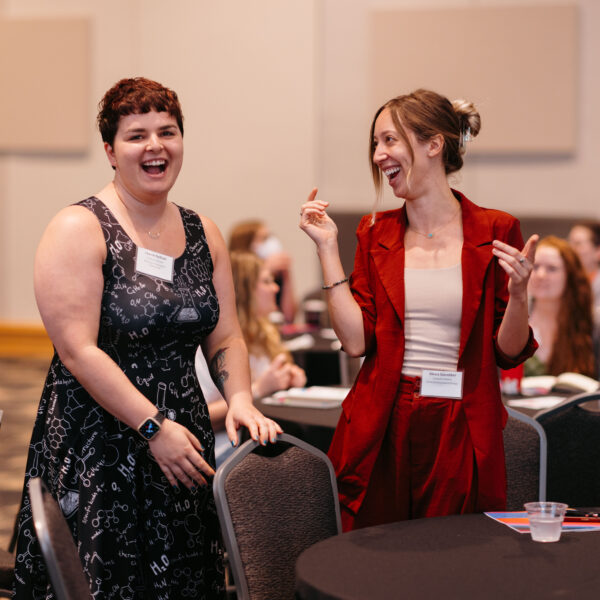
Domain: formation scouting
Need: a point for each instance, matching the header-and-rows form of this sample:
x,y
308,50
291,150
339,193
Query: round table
x,y
466,556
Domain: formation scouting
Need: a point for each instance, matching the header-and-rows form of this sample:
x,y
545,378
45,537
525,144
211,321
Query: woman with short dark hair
x,y
128,285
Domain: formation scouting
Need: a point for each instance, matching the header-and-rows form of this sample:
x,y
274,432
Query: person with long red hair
x,y
561,311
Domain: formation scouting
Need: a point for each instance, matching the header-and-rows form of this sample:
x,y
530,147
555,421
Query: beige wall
x,y
275,102
244,74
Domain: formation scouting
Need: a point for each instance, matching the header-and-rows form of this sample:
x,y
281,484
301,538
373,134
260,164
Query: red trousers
x,y
426,466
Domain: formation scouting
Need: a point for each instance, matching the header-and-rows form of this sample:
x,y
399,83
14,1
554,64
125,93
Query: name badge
x,y
442,384
154,264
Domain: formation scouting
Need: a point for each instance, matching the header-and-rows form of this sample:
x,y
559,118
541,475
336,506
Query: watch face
x,y
149,428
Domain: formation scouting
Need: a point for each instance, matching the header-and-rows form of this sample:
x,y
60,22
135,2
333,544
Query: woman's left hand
x,y
518,265
261,428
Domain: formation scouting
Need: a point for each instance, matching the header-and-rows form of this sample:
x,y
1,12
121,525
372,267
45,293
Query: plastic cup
x,y
545,520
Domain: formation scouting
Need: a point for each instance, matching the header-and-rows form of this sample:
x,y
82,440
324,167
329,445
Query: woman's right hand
x,y
178,453
315,221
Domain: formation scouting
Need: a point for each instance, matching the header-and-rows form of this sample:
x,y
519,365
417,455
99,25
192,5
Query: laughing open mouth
x,y
391,172
154,167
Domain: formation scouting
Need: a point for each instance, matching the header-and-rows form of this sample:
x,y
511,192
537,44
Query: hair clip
x,y
465,136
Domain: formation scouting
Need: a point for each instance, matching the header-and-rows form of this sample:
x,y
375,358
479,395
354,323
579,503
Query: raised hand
x,y
518,265
315,221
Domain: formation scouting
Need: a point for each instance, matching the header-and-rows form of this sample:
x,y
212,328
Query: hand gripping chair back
x,y
274,502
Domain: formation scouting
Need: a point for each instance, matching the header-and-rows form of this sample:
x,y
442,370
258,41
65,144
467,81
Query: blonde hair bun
x,y
468,116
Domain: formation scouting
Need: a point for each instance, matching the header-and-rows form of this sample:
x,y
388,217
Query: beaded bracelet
x,y
328,287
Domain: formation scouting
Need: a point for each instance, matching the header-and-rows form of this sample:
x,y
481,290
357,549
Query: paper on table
x,y
302,342
518,521
537,403
310,397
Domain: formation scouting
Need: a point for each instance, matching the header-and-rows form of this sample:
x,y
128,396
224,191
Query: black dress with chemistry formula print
x,y
138,537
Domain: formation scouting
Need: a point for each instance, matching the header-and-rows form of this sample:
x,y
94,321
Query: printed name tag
x,y
154,264
442,384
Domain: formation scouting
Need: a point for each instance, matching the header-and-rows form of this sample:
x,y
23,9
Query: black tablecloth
x,y
466,557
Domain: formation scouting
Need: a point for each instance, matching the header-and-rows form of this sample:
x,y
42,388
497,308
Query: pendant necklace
x,y
430,234
154,235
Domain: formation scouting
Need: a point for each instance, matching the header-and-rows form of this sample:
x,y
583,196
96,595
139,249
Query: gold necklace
x,y
430,235
155,235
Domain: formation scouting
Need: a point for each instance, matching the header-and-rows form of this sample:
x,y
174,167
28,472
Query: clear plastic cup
x,y
545,520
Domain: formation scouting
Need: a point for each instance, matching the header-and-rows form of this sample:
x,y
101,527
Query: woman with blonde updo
x,y
561,309
436,302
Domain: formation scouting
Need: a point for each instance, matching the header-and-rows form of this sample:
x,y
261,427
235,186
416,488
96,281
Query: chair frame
x,y
224,514
573,400
568,402
37,491
543,448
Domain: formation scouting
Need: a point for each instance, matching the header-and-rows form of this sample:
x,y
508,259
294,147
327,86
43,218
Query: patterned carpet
x,y
21,381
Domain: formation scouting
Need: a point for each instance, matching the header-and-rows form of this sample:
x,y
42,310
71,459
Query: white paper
x,y
302,342
537,403
310,397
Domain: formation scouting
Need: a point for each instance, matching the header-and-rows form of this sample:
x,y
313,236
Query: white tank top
x,y
432,314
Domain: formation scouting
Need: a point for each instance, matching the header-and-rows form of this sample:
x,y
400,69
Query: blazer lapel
x,y
476,258
388,256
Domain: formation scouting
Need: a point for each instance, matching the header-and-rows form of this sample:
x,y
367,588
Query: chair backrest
x,y
58,547
573,434
525,449
274,502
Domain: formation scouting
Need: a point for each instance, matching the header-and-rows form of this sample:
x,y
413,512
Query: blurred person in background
x,y
561,312
584,238
271,365
254,236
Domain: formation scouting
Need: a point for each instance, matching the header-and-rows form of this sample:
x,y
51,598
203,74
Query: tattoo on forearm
x,y
218,371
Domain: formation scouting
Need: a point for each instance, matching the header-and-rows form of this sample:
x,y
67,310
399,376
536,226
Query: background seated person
x,y
254,236
584,238
561,311
271,365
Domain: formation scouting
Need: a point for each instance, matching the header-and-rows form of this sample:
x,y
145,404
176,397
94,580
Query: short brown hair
x,y
136,95
428,113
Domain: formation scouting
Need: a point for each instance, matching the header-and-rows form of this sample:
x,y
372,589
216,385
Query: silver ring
x,y
522,259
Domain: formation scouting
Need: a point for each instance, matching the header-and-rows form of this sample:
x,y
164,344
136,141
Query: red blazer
x,y
377,284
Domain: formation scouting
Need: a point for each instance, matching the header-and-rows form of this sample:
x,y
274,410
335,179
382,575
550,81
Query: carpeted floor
x,y
21,381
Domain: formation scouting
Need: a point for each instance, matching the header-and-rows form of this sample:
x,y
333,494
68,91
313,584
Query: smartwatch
x,y
151,426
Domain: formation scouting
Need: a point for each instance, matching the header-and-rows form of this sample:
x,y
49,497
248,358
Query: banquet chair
x,y
273,502
58,547
573,433
7,564
525,450
7,558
